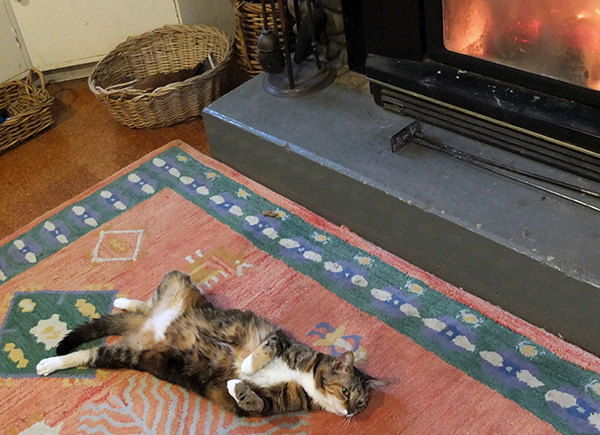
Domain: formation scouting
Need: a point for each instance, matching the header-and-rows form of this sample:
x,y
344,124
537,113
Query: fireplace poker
x,y
286,40
466,156
413,133
508,172
313,33
309,33
297,12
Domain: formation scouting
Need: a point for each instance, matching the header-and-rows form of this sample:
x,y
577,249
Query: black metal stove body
x,y
400,47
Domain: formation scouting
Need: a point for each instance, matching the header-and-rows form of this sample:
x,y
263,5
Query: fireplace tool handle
x,y
265,17
270,55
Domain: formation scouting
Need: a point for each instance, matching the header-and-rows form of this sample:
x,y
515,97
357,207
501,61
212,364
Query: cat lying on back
x,y
234,358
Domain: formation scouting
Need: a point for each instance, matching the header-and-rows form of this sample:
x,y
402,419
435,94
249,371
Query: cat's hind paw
x,y
49,365
121,303
128,304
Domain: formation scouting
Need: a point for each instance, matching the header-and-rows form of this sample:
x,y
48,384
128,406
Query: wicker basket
x,y
29,108
249,25
166,50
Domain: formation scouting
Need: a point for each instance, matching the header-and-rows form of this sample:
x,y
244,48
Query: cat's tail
x,y
110,324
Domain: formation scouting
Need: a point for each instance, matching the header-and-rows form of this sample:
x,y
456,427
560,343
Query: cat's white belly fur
x,y
160,322
278,372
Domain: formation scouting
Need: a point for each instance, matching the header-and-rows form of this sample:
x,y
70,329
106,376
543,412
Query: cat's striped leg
x,y
68,361
177,288
277,399
101,357
264,353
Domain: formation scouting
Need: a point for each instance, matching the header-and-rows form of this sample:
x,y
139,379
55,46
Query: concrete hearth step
x,y
528,251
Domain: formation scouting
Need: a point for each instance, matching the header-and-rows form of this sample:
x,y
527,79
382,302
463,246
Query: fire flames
x,y
555,38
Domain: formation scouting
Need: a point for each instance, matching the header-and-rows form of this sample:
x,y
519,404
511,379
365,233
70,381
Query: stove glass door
x,y
554,38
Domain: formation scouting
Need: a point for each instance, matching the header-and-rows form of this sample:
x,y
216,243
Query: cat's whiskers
x,y
345,423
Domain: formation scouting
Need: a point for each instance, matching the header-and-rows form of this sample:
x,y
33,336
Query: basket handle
x,y
30,81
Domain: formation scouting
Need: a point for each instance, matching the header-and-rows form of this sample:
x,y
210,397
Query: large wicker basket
x,y
166,50
29,109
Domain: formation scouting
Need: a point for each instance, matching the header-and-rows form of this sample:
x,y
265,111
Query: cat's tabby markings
x,y
232,357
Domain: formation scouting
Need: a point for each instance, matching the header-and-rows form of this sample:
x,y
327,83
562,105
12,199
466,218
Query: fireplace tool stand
x,y
306,72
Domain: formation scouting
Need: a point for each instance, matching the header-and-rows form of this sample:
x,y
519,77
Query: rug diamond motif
x,y
117,245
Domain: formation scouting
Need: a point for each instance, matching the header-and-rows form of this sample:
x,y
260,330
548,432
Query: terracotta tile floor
x,y
85,146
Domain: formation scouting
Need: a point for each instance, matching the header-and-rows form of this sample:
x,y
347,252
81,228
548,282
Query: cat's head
x,y
346,390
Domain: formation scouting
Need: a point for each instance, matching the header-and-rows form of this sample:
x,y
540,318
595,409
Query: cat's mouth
x,y
340,410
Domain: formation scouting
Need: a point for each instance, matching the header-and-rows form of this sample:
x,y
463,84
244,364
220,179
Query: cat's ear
x,y
345,362
373,383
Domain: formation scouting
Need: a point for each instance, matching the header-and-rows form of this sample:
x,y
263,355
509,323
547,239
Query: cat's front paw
x,y
49,365
247,366
245,397
231,384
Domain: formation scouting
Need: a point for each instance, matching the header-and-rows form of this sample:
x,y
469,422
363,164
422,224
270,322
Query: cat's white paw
x,y
122,303
131,305
49,365
231,384
246,366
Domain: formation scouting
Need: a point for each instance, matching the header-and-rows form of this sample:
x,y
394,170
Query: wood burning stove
x,y
520,75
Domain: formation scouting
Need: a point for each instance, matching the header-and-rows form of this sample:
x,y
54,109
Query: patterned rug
x,y
456,364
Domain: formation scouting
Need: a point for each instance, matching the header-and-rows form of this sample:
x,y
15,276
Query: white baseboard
x,y
69,73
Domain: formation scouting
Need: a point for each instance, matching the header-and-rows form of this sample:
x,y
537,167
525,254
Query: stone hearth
x,y
531,253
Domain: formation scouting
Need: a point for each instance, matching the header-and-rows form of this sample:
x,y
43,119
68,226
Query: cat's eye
x,y
345,392
360,403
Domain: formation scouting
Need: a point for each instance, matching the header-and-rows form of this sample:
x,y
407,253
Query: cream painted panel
x,y
12,62
61,33
216,13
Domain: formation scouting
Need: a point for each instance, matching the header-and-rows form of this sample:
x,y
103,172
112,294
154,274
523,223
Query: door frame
x,y
6,4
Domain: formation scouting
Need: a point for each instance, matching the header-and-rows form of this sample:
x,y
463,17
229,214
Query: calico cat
x,y
232,357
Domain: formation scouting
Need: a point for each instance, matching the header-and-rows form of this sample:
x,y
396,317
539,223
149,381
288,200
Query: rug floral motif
x,y
456,364
37,321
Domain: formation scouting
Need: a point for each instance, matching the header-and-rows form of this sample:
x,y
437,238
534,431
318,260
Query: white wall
x,y
217,13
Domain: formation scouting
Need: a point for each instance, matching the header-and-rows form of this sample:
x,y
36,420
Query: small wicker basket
x,y
29,108
166,50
